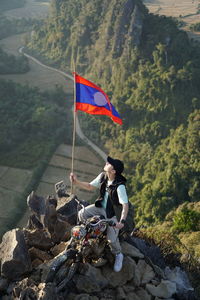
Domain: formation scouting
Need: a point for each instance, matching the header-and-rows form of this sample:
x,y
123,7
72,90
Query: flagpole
x,y
74,127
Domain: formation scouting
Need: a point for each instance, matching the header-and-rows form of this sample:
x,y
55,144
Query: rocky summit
x,y
27,254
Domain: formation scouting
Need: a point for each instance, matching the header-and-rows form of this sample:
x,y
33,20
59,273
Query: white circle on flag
x,y
100,99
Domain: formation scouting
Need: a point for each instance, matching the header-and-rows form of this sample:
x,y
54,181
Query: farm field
x,y
59,169
32,9
12,184
38,76
185,10
86,166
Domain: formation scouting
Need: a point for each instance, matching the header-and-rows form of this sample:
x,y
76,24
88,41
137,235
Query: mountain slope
x,y
150,70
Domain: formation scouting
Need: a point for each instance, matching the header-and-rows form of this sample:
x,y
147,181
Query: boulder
x,y
47,292
24,289
3,284
142,294
85,284
14,256
36,205
85,297
90,280
61,229
39,254
68,207
38,238
164,290
57,249
92,272
122,277
144,273
121,294
132,296
130,250
151,251
180,278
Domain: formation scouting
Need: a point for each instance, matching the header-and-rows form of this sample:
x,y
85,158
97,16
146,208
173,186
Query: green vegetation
x,y
195,27
11,4
186,220
31,123
151,73
9,64
9,27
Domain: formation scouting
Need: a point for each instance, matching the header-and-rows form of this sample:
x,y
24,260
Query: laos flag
x,y
92,99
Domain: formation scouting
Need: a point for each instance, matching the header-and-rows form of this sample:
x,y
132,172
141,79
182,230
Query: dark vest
x,y
113,208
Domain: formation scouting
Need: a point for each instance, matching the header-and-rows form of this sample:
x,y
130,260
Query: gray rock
x,y
142,294
24,289
130,250
46,292
180,278
144,272
3,284
39,254
85,284
38,238
85,297
122,277
15,260
36,204
132,296
164,290
68,207
91,279
121,294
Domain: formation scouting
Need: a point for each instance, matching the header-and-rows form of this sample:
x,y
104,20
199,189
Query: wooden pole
x,y
74,129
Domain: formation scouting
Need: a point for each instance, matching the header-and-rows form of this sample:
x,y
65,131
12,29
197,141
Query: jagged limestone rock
x,y
85,284
121,295
39,254
23,289
130,250
85,297
144,272
179,277
91,279
142,294
68,208
166,299
3,284
164,290
14,256
132,296
122,277
38,238
58,248
46,292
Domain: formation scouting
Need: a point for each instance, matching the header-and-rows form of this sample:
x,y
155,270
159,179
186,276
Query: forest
x,y
9,64
150,70
32,124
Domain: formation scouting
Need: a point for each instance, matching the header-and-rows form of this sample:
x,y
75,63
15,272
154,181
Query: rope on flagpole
x,y
74,127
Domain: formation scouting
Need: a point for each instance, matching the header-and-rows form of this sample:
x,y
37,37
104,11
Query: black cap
x,y
117,164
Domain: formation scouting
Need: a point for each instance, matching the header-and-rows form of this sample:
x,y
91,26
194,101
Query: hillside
x,y
136,57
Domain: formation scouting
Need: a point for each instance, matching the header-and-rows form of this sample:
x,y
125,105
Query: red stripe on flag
x,y
96,110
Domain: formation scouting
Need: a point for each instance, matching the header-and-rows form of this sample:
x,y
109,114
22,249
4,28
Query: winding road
x,y
79,131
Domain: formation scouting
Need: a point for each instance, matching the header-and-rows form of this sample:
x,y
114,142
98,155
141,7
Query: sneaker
x,y
118,262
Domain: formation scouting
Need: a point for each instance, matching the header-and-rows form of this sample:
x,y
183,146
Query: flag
x,y
93,100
